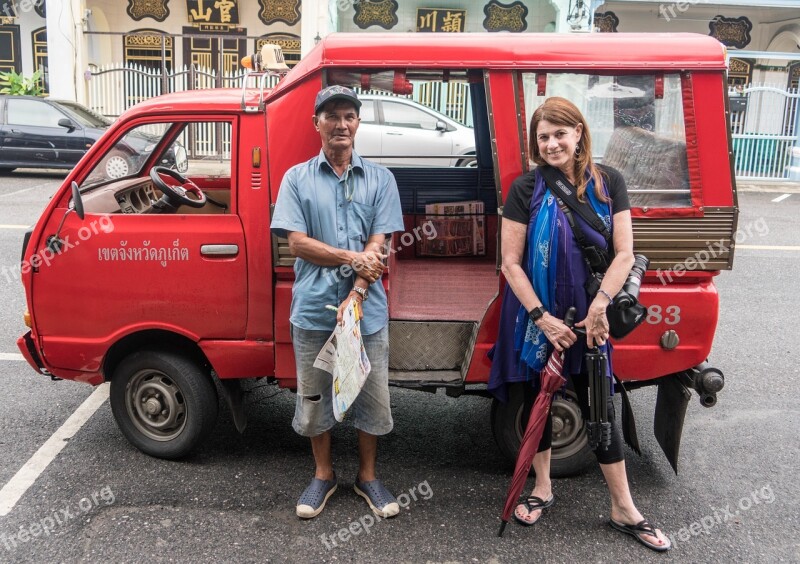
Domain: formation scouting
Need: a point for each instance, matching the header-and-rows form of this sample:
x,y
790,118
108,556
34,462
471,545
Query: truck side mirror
x,y
77,200
54,242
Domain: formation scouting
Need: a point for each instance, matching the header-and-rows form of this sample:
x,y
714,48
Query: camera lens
x,y
629,294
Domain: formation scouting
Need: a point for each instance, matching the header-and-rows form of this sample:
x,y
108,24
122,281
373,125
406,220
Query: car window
x,y
367,112
201,149
32,113
86,116
403,115
128,155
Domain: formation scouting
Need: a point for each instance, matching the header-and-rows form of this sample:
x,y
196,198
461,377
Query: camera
x,y
629,294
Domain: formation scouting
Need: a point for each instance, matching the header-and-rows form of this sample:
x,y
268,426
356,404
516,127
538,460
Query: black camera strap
x,y
567,197
563,188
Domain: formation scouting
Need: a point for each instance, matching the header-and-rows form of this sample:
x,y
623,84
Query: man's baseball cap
x,y
336,93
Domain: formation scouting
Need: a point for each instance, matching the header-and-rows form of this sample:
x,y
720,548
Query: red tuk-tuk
x,y
134,281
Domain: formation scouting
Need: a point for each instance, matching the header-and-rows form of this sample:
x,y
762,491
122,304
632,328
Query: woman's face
x,y
557,143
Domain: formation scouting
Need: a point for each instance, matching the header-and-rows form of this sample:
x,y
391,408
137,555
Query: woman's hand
x,y
557,332
596,323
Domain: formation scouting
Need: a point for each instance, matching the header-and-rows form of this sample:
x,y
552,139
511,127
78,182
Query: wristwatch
x,y
536,313
363,292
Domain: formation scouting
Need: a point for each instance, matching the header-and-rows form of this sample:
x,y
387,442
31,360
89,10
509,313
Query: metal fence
x,y
115,88
766,131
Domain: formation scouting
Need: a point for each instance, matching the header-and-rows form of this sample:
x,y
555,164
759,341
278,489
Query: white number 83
x,y
671,315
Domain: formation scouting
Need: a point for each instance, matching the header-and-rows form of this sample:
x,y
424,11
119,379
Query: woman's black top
x,y
517,206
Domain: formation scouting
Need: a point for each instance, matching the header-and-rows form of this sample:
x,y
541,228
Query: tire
x,y
470,162
163,403
571,454
117,165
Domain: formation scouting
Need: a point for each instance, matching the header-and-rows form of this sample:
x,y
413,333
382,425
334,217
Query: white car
x,y
400,132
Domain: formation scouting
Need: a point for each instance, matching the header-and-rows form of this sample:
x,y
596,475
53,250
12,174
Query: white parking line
x,y
781,198
12,226
26,476
11,356
769,247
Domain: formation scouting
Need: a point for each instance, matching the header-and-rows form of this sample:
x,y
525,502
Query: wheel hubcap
x,y
117,167
156,405
568,434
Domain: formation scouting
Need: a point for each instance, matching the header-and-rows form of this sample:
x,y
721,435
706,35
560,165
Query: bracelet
x,y
610,299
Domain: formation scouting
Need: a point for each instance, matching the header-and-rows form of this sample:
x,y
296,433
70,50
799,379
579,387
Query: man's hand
x,y
368,265
351,296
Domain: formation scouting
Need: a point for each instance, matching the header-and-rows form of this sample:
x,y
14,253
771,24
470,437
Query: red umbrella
x,y
550,382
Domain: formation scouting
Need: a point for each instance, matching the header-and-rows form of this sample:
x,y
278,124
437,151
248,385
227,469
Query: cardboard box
x,y
460,229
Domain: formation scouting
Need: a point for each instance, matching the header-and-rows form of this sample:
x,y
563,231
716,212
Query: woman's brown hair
x,y
562,112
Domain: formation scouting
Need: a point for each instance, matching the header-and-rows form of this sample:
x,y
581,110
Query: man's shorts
x,y
313,413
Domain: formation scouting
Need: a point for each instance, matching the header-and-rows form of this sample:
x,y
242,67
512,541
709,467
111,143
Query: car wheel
x,y
471,162
164,403
571,454
117,165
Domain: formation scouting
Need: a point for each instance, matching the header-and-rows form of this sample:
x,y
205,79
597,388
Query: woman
x,y
550,279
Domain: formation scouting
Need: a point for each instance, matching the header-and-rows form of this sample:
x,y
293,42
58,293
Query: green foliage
x,y
17,85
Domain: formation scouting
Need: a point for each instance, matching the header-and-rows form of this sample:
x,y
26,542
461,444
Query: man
x,y
337,211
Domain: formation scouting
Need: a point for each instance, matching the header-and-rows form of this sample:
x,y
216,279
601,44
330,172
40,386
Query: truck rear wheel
x,y
571,454
163,403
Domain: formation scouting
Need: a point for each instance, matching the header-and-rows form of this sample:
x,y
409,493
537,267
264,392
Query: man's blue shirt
x,y
342,212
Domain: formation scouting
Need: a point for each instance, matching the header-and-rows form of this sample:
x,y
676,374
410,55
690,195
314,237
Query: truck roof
x,y
225,100
528,50
547,51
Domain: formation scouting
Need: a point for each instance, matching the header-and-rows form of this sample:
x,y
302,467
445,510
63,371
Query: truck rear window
x,y
637,126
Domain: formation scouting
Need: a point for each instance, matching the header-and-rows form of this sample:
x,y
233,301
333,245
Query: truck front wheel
x,y
571,454
163,403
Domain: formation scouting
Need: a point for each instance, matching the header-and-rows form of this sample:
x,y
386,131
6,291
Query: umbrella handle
x,y
569,321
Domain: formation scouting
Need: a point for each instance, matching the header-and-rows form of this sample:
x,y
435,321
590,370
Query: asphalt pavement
x,y
735,498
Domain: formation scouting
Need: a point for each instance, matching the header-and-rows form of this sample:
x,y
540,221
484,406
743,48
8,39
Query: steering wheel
x,y
177,195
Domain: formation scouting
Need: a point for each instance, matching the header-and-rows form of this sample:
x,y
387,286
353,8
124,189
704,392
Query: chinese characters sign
x,y
440,19
220,12
140,9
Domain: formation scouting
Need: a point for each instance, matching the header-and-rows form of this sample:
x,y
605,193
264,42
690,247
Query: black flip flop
x,y
643,527
533,503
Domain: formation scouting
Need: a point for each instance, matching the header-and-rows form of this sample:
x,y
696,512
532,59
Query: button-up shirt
x,y
343,212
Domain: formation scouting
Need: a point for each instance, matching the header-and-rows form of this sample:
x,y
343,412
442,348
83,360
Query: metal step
x,y
430,351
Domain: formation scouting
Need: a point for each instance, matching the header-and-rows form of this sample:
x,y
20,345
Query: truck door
x,y
126,268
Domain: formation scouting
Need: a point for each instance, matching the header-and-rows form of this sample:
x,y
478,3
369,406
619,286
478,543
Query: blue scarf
x,y
542,261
